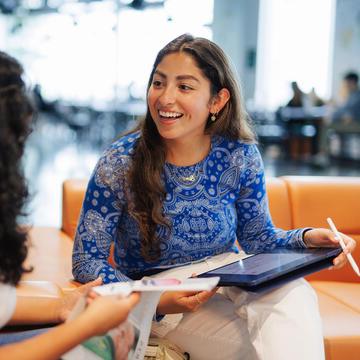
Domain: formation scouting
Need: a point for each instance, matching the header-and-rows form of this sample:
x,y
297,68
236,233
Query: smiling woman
x,y
188,184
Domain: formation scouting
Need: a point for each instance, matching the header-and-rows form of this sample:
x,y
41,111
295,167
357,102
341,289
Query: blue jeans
x,y
13,337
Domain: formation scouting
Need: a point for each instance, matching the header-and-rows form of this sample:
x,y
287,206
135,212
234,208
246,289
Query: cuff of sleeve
x,y
297,240
300,241
157,317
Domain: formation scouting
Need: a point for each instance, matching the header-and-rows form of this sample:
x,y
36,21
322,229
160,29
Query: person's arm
x,y
46,310
103,314
99,220
36,310
255,230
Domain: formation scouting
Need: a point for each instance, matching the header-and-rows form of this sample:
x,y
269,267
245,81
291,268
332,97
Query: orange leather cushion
x,y
279,204
73,197
341,329
342,348
346,293
314,198
50,253
307,197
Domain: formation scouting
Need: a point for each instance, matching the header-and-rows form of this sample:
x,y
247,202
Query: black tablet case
x,y
318,259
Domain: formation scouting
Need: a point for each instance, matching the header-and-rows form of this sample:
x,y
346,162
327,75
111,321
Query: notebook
x,y
266,270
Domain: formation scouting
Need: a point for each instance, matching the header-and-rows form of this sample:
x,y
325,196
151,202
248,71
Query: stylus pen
x,y
343,246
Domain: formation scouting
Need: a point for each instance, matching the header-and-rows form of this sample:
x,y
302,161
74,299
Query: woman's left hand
x,y
326,238
68,301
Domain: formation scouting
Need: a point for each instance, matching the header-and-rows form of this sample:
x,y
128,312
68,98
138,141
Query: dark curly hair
x,y
145,176
16,111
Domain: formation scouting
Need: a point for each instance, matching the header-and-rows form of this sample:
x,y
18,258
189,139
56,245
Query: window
x,y
294,44
91,53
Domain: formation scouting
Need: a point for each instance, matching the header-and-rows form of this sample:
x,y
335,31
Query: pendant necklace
x,y
190,178
190,174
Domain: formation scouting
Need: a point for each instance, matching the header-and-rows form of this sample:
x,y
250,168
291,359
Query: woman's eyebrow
x,y
179,77
161,74
187,77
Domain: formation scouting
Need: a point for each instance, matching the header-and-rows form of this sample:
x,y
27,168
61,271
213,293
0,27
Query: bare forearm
x,y
102,314
50,345
35,310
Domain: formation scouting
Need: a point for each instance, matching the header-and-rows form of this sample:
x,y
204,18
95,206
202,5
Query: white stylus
x,y
343,246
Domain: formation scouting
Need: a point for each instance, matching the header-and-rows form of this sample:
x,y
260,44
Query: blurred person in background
x,y
344,120
299,97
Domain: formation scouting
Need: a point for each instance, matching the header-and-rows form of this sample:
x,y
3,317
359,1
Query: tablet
x,y
270,269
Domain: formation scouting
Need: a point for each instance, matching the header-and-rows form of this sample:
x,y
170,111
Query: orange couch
x,y
295,201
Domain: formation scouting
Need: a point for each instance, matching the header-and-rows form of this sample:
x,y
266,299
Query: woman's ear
x,y
219,100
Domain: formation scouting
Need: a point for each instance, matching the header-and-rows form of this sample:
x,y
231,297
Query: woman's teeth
x,y
168,114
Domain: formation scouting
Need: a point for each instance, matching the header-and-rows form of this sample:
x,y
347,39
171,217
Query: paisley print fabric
x,y
210,205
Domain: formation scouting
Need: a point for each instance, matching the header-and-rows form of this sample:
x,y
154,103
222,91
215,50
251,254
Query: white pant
x,y
283,324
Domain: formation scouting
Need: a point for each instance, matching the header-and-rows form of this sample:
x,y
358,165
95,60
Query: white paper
x,y
158,285
136,330
203,266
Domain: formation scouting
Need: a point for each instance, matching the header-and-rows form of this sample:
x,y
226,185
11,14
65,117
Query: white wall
x,y
235,28
346,41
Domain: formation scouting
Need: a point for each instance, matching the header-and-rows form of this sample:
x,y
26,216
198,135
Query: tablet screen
x,y
261,263
269,265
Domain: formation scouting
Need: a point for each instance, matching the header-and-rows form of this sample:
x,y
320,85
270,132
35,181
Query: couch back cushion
x,y
314,198
74,192
279,203
73,197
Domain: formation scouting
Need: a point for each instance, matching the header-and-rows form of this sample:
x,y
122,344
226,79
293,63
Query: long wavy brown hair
x,y
15,113
146,174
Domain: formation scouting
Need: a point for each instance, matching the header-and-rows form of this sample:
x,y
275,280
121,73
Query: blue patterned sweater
x,y
209,204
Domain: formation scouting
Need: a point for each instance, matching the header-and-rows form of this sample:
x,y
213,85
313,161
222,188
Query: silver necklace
x,y
189,174
190,178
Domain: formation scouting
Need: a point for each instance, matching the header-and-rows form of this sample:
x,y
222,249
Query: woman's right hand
x,y
106,312
174,302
